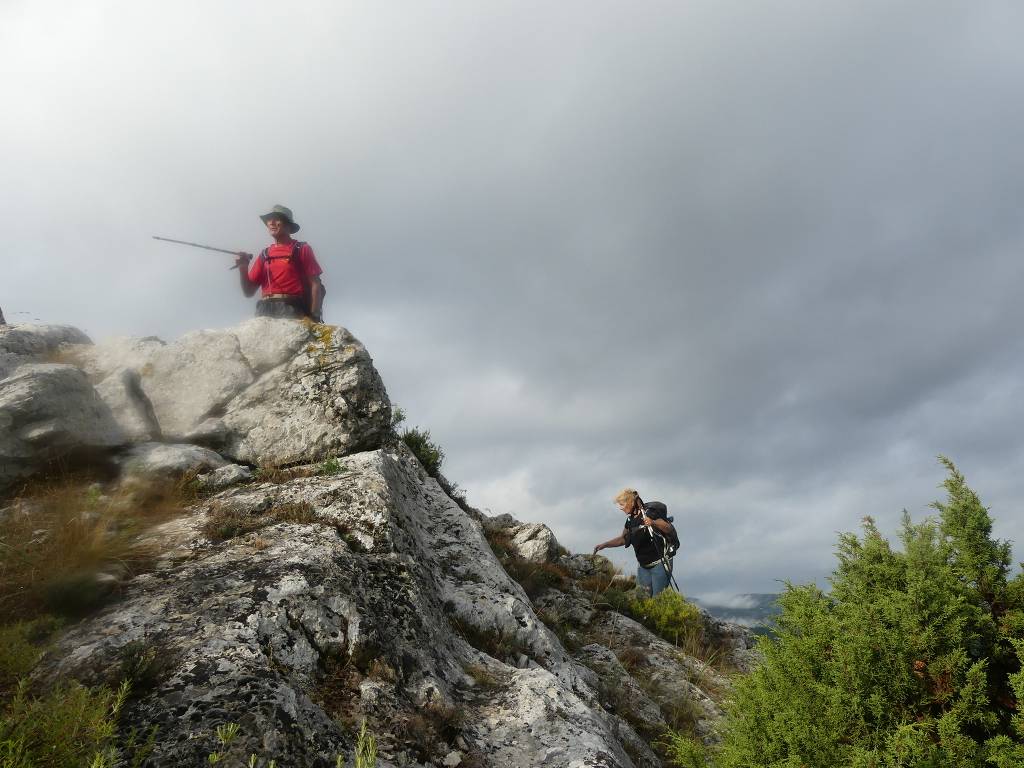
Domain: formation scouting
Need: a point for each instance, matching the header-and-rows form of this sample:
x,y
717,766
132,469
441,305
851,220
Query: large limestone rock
x,y
49,411
369,593
534,542
185,381
168,460
295,609
271,392
21,344
123,394
326,400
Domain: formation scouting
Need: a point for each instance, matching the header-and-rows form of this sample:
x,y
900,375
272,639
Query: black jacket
x,y
648,548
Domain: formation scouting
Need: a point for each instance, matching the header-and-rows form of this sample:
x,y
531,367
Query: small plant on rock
x,y
681,750
331,466
72,725
429,453
670,616
397,418
366,750
226,735
67,543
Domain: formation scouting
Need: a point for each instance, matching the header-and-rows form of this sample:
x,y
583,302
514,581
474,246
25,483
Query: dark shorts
x,y
294,308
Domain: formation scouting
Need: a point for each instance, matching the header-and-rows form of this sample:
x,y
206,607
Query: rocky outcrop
x,y
185,381
21,344
294,603
163,460
368,593
532,542
48,412
268,392
122,392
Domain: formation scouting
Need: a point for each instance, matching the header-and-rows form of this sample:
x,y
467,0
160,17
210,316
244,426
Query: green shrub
x,y
429,453
606,593
20,649
146,664
331,467
70,727
366,750
913,659
682,751
670,616
397,417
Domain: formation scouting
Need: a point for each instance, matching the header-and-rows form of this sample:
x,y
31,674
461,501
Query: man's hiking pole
x,y
197,245
655,536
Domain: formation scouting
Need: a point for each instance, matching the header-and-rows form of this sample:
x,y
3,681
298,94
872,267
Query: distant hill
x,y
750,610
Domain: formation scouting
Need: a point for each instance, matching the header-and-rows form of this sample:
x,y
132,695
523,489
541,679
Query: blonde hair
x,y
626,495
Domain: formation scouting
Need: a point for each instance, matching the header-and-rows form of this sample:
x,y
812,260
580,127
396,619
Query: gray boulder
x,y
271,392
326,400
534,542
185,381
122,392
49,411
21,344
224,477
168,460
500,522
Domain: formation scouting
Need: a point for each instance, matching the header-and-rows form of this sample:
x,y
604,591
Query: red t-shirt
x,y
277,273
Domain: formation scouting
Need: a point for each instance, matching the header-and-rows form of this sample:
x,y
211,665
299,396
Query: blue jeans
x,y
654,579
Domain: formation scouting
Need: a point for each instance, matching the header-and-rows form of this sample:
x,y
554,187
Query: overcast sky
x,y
760,260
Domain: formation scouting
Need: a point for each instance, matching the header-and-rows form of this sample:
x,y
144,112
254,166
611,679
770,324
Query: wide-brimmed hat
x,y
280,210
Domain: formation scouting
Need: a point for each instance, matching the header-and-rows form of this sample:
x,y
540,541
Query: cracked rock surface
x,y
363,609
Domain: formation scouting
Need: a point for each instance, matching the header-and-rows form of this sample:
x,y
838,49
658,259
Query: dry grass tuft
x,y
270,473
433,728
534,578
484,678
67,544
228,522
632,659
497,643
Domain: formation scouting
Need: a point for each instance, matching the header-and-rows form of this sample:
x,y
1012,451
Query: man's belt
x,y
281,296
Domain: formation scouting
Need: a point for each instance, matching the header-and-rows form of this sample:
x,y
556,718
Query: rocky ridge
x,y
295,603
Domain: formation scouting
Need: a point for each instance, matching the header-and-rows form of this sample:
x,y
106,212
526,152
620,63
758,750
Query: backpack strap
x,y
294,257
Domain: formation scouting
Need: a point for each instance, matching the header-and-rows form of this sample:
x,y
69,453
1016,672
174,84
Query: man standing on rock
x,y
652,536
287,272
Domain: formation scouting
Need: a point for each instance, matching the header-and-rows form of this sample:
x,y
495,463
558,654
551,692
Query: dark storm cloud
x,y
760,260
